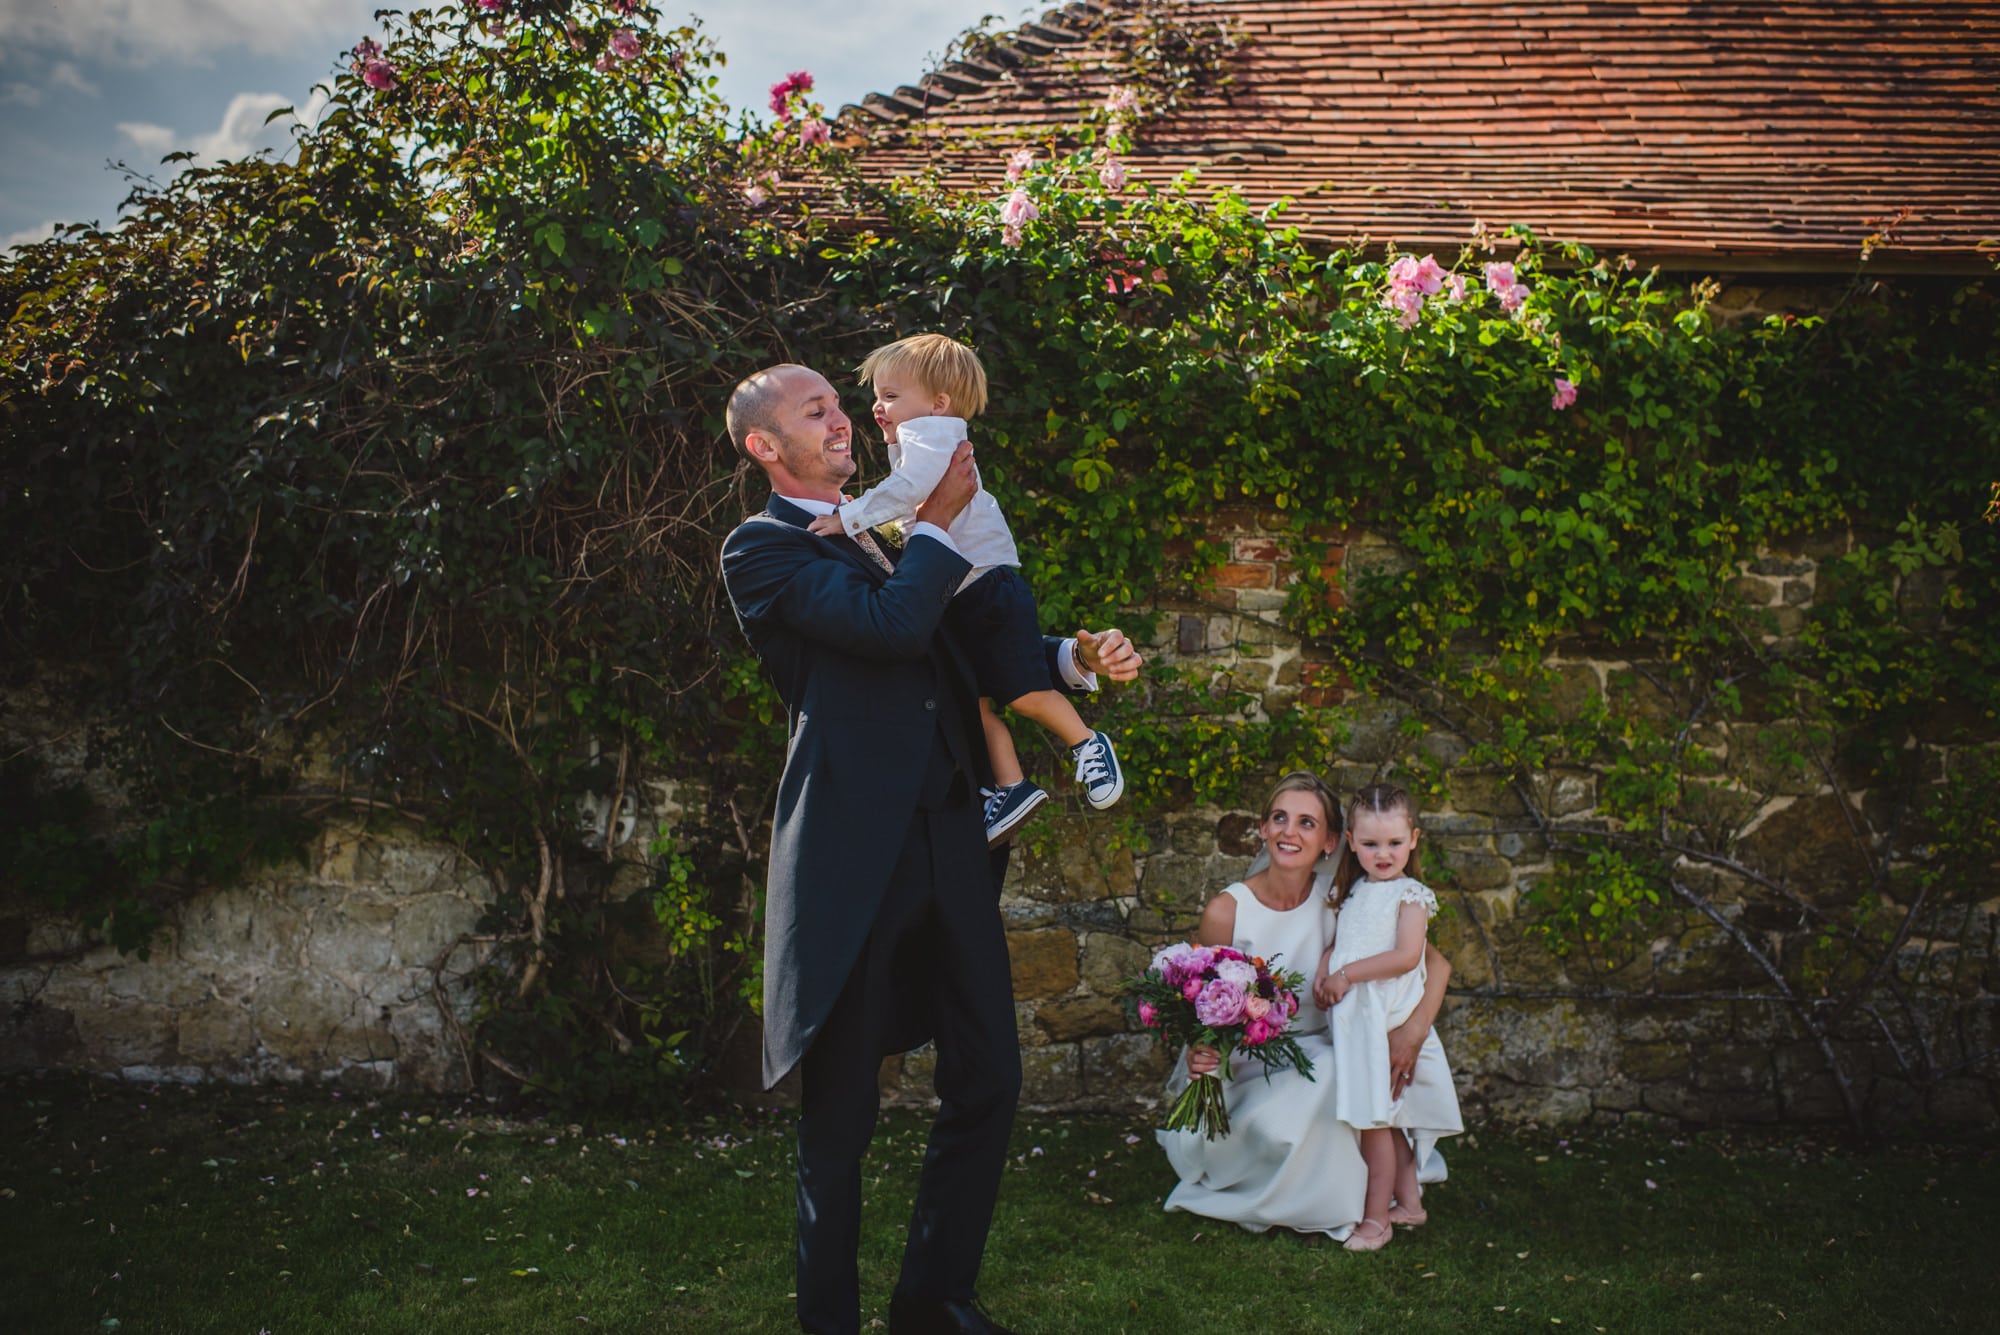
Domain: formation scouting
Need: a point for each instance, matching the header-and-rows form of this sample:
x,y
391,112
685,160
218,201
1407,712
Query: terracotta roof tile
x,y
1756,131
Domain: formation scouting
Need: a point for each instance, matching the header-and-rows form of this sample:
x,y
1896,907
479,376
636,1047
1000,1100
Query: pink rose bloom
x,y
1017,210
379,75
1291,1003
1112,174
366,49
756,196
625,44
1564,396
625,6
1018,163
1119,283
605,63
1147,1015
1500,276
815,132
1122,102
1256,1034
1256,1007
492,6
1220,1003
1010,237
1513,298
1424,275
1454,286
1191,988
1408,302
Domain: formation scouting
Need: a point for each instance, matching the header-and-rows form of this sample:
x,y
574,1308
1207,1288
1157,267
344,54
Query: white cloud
x,y
141,31
64,74
29,236
20,95
243,129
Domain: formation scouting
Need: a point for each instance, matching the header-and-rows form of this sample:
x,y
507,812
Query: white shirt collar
x,y
810,507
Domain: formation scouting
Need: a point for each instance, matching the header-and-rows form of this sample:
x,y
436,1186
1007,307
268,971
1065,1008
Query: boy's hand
x,y
827,526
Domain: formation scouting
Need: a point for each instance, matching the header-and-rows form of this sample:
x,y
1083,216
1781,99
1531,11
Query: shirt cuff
x,y
922,529
1072,670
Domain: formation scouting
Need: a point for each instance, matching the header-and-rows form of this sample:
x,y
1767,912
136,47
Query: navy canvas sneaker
x,y
1097,771
1007,807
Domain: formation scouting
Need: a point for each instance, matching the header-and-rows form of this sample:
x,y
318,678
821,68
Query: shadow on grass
x,y
232,1210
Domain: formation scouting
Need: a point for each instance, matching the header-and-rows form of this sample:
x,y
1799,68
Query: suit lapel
x,y
785,512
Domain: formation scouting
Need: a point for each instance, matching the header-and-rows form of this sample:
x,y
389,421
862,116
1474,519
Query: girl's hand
x,y
1337,987
1203,1060
827,526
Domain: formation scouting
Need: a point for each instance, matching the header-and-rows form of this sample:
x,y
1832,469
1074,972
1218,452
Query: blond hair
x,y
940,365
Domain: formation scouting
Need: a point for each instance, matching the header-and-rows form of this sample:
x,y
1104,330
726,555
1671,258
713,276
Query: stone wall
x,y
326,972
1530,1036
320,973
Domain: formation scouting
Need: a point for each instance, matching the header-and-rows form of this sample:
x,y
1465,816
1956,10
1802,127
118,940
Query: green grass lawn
x,y
170,1209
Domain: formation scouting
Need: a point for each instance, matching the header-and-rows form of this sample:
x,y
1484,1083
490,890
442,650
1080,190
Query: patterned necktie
x,y
866,542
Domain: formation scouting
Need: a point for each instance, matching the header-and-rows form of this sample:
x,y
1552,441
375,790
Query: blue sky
x,y
85,83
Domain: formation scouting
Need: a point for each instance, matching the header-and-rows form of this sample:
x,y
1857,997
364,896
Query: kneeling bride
x,y
1288,1162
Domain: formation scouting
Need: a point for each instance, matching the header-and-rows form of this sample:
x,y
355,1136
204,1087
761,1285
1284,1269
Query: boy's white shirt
x,y
918,458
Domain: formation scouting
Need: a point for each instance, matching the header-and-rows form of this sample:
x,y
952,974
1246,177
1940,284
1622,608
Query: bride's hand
x,y
1406,1040
1203,1060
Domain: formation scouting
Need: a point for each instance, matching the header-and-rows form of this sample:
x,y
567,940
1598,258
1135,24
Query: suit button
x,y
930,704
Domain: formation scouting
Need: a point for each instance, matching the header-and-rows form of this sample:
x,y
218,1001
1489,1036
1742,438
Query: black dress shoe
x,y
914,1316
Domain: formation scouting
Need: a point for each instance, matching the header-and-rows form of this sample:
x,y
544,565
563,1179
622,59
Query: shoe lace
x,y
995,799
1092,765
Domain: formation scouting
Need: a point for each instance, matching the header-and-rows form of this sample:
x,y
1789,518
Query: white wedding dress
x,y
1287,1161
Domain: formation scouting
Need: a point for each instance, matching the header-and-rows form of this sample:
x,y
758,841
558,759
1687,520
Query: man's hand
x,y
1108,653
954,490
827,526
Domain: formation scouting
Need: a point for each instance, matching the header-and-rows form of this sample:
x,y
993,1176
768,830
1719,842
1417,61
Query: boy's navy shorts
x,y
996,620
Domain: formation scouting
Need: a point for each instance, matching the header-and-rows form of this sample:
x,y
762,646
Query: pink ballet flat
x,y
1357,1242
1405,1218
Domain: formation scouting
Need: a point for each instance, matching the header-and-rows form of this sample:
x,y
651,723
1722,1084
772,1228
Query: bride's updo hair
x,y
1298,781
1377,799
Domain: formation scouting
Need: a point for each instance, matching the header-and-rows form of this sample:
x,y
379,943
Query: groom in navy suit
x,y
881,920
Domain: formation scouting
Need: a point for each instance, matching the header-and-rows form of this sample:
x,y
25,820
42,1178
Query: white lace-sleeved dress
x,y
1366,925
1287,1162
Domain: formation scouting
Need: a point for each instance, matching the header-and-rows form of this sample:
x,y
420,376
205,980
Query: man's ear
x,y
760,447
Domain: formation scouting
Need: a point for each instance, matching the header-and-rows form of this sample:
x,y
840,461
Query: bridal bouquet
x,y
1220,998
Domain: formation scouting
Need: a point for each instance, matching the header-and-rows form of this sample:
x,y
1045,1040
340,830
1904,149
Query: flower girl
x,y
1371,977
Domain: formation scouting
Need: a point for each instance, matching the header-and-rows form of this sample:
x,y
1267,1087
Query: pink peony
x,y
1148,1016
1238,971
1122,102
1220,1003
1256,1007
1191,988
625,44
1256,1034
1564,396
1018,163
1017,211
379,75
815,132
1111,173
